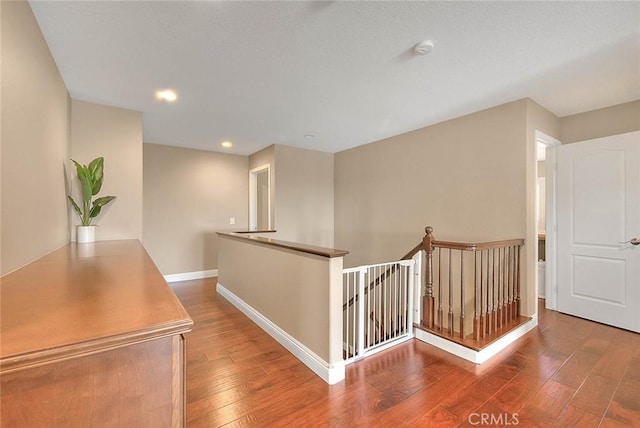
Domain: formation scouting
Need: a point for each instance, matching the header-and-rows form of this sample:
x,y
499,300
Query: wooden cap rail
x,y
255,231
295,246
465,246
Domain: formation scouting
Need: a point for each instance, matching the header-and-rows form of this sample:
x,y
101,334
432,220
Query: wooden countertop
x,y
310,249
85,297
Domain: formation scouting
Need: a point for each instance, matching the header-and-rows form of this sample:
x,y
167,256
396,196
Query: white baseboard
x,y
188,276
330,373
477,357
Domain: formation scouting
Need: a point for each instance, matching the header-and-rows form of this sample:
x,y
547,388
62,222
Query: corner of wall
x,y
116,134
304,196
190,194
33,92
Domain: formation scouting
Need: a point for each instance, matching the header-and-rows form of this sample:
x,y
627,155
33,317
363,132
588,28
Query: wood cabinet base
x,y
92,336
138,385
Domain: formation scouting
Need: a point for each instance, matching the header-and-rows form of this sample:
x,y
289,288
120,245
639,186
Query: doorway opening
x,y
546,218
260,198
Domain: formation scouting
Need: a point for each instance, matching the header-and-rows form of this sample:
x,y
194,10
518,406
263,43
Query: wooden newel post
x,y
428,302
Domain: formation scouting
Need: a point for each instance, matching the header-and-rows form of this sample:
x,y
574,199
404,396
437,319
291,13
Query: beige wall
x,y
301,193
1,141
304,196
302,200
35,142
470,178
465,177
300,293
188,195
603,122
115,134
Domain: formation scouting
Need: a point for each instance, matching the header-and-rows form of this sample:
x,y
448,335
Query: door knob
x,y
632,241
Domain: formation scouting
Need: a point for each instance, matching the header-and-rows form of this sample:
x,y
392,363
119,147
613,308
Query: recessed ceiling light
x,y
227,144
423,47
167,95
309,136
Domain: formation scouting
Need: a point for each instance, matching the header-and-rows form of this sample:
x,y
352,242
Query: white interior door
x,y
598,203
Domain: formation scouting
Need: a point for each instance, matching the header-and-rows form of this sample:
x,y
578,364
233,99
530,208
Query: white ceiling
x,y
258,73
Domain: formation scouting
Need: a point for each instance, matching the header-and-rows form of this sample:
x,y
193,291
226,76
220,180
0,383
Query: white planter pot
x,y
86,234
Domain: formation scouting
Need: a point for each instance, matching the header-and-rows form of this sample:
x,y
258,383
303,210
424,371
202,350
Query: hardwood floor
x,y
568,372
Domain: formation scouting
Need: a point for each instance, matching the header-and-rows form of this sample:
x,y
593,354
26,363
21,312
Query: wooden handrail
x,y
295,246
393,268
466,246
413,252
255,231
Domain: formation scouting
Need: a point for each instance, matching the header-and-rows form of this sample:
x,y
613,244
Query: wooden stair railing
x,y
461,278
492,268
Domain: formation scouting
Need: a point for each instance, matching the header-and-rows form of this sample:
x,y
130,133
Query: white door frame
x,y
551,286
253,194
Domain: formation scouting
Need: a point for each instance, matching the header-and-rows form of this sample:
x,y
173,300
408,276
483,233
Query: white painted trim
x,y
417,290
477,357
330,373
253,194
187,276
551,285
372,351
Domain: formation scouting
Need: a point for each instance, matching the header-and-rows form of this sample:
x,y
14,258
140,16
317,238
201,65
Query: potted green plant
x,y
90,177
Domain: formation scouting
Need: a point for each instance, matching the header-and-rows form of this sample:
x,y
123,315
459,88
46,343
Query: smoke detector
x,y
423,47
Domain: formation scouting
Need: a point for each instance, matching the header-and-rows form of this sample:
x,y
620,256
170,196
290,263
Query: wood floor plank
x,y
200,406
515,394
416,405
438,417
489,414
614,363
410,385
637,353
552,398
625,406
576,369
574,417
633,369
568,372
334,409
595,394
481,390
534,417
264,413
